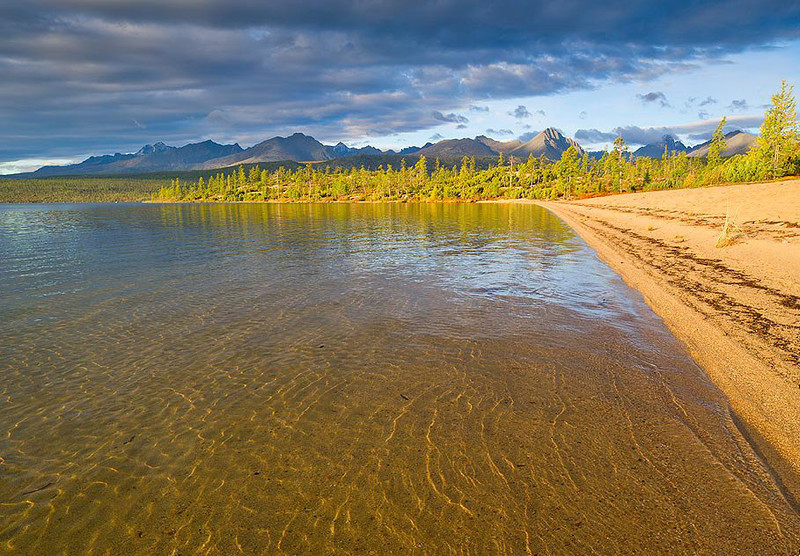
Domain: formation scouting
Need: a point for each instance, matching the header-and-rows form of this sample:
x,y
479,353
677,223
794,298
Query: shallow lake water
x,y
352,378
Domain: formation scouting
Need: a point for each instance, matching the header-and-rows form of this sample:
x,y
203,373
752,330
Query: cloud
x,y
450,118
491,131
583,115
703,115
693,102
520,112
636,135
652,97
738,105
29,165
77,74
594,135
476,108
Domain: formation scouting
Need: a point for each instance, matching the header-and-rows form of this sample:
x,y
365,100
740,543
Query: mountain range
x,y
150,158
207,155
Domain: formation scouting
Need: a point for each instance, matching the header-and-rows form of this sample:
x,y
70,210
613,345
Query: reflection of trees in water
x,y
471,224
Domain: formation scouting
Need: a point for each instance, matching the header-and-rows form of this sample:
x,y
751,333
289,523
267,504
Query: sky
x,y
85,77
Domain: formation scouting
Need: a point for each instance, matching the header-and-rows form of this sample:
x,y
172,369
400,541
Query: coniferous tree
x,y
779,134
718,144
568,170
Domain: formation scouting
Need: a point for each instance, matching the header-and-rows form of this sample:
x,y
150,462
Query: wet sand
x,y
736,306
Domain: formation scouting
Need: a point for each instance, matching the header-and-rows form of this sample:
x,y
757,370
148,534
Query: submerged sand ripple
x,y
453,379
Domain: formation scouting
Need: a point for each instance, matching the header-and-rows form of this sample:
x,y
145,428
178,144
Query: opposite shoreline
x,y
736,307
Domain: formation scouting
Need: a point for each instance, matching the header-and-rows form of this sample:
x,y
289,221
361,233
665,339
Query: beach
x,y
733,298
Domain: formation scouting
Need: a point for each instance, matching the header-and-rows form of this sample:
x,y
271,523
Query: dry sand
x,y
736,307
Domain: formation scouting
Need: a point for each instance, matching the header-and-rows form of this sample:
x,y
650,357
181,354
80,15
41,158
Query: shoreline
x,y
736,308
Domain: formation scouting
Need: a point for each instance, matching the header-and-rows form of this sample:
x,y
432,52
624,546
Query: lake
x,y
354,378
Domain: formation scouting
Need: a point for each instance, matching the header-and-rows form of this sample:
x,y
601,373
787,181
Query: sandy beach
x,y
735,303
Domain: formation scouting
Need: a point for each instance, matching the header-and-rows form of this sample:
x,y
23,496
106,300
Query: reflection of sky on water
x,y
509,253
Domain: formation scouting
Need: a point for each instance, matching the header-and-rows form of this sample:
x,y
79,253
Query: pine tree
x,y
255,174
779,132
568,169
718,144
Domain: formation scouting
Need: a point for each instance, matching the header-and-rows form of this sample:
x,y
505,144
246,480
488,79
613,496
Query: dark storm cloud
x,y
82,76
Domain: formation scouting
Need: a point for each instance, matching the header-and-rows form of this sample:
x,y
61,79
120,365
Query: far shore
x,y
733,298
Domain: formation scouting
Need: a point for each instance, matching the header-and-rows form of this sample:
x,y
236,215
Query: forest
x,y
384,178
76,189
776,154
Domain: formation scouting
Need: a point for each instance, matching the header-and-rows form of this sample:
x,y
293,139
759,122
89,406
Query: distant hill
x,y
739,142
499,146
150,158
551,143
298,147
457,147
656,150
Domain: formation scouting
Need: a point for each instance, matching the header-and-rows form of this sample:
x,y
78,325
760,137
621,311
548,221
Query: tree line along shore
x,y
776,154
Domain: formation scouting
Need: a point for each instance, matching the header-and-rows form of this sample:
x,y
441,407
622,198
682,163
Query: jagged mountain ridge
x,y
457,147
550,143
299,147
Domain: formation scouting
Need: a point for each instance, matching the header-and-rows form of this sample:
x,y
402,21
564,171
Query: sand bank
x,y
737,307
